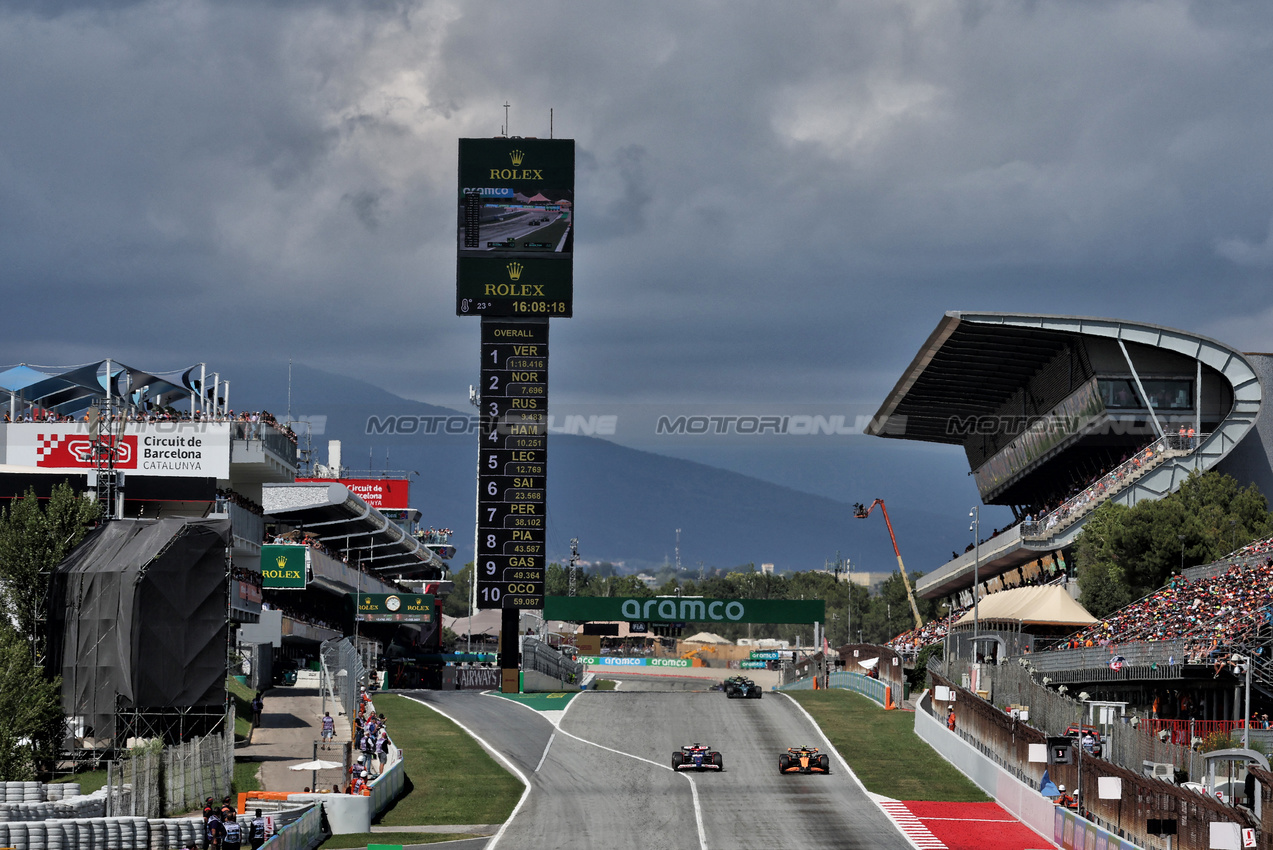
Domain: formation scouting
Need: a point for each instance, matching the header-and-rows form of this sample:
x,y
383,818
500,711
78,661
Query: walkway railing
x,y
1109,485
856,682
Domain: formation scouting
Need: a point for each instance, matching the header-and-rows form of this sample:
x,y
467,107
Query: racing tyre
x,y
784,762
678,759
716,760
824,762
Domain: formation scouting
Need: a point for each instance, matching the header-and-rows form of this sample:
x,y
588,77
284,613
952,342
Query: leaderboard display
x,y
513,463
516,228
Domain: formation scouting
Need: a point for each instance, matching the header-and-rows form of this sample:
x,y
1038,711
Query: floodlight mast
x,y
861,512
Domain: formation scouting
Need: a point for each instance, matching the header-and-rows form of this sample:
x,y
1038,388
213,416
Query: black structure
x,y
138,630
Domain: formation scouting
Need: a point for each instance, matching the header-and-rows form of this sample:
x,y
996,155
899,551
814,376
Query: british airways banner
x,y
172,449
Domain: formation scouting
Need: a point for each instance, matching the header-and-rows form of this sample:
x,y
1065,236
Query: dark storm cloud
x,y
773,200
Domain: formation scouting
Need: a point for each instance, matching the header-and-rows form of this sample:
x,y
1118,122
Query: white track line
x,y
877,799
698,810
911,826
497,754
547,746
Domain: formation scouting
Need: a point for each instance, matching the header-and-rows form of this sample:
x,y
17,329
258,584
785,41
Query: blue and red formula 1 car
x,y
697,757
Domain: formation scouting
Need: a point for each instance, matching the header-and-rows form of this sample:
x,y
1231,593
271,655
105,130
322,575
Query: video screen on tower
x,y
515,226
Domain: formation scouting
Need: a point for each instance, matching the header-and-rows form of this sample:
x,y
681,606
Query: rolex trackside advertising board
x,y
515,213
674,609
170,449
394,607
284,567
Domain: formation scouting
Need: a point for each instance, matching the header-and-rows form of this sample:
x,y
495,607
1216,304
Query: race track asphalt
x,y
606,779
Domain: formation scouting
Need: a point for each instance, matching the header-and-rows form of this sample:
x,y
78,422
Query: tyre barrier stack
x,y
37,792
85,806
21,792
34,816
122,833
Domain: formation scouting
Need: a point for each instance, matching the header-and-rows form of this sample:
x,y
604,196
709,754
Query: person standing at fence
x,y
209,809
256,831
368,743
329,729
258,706
950,718
382,748
233,834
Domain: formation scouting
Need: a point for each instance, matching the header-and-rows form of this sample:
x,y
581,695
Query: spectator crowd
x,y
1209,613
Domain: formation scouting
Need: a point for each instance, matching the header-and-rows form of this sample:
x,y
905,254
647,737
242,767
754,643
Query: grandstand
x,y
167,458
1058,414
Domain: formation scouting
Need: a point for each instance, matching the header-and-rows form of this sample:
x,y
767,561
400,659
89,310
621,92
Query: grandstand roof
x,y
973,362
1047,605
345,522
1022,394
964,367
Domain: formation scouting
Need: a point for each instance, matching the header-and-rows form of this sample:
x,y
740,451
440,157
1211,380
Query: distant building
x,y
767,569
871,581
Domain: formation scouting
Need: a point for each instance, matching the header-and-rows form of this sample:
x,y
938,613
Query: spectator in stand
x,y
1211,613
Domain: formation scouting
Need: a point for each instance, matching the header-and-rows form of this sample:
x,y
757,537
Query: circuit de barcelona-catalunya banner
x,y
683,609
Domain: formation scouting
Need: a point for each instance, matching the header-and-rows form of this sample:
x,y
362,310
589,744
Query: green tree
x,y
31,707
34,539
1126,553
456,603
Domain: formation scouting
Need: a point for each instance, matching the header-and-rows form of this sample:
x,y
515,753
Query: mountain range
x,y
624,505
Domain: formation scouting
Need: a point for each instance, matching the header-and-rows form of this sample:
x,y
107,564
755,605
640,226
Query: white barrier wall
x,y
1025,802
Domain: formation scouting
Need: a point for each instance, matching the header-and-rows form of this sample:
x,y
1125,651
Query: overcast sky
x,y
776,202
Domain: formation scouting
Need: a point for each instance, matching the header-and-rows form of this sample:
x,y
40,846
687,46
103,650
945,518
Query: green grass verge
x,y
89,780
604,685
450,778
244,778
242,695
362,839
883,749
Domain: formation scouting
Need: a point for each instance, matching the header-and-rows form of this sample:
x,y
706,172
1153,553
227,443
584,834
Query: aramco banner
x,y
684,609
284,567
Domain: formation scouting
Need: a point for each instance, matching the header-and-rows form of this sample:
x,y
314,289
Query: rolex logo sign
x,y
395,608
516,157
284,567
514,271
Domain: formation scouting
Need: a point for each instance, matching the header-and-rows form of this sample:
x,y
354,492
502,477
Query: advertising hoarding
x,y
515,227
166,449
672,609
284,567
380,493
394,607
